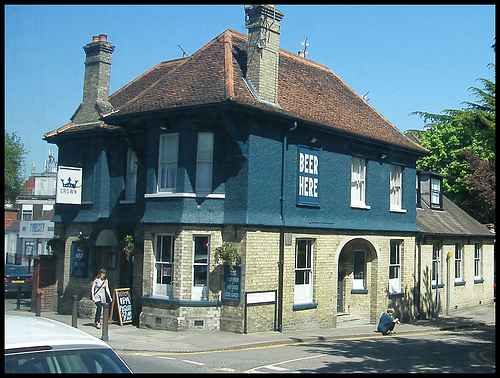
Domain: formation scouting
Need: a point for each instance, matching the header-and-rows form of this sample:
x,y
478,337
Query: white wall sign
x,y
36,229
69,185
261,297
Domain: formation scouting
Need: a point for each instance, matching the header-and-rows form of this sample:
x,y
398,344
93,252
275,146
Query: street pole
x,y
448,299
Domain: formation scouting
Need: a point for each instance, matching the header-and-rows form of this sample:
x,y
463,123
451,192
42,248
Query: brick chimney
x,y
96,81
263,24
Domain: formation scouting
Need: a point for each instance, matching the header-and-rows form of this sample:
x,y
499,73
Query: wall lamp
x,y
313,140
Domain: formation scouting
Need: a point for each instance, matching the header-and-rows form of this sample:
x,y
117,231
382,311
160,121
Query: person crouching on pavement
x,y
387,323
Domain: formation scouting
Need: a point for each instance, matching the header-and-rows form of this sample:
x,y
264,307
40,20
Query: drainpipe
x,y
279,323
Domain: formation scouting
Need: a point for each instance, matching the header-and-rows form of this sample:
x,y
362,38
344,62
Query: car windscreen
x,y
15,269
67,361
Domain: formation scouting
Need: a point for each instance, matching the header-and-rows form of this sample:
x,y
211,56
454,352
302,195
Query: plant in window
x,y
129,248
228,254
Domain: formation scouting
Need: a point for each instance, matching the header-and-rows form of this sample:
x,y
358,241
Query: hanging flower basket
x,y
129,248
227,254
83,242
55,244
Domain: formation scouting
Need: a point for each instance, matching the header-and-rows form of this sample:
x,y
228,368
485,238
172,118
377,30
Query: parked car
x,y
17,275
41,345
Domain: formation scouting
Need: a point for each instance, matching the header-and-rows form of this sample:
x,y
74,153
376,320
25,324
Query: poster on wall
x,y
69,185
231,289
308,176
78,262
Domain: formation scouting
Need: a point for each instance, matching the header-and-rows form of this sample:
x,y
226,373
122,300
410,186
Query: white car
x,y
41,345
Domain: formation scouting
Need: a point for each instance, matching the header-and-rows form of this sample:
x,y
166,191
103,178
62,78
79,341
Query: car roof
x,y
24,331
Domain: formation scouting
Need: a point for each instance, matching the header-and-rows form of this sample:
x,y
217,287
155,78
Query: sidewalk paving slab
x,y
131,338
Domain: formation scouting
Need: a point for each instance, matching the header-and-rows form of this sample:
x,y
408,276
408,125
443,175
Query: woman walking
x,y
99,292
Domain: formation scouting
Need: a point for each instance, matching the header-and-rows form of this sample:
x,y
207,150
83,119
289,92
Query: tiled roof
x,y
307,91
451,221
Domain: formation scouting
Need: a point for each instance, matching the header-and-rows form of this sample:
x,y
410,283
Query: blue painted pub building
x,y
248,144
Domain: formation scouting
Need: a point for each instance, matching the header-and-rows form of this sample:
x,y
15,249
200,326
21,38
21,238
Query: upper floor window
x,y
478,255
204,165
131,175
395,267
396,187
459,263
167,162
88,183
358,182
303,291
27,213
436,193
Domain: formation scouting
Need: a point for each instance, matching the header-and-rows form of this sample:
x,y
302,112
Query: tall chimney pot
x,y
103,37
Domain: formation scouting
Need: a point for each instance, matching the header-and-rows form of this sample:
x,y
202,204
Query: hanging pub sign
x,y
308,176
69,185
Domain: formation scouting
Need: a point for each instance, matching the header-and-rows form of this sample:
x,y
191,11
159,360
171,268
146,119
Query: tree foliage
x,y
14,166
462,146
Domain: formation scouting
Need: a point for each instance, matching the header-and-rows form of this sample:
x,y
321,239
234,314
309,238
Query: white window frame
x,y
459,262
27,213
167,162
435,195
304,282
437,264
199,290
204,162
358,283
396,190
478,261
358,183
395,254
163,262
131,175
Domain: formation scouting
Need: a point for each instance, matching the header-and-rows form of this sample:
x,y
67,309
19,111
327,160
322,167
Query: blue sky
x,y
408,57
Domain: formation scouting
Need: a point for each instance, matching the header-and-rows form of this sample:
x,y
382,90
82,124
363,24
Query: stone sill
x,y
182,302
304,306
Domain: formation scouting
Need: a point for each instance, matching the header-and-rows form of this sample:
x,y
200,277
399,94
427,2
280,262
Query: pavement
x,y
129,337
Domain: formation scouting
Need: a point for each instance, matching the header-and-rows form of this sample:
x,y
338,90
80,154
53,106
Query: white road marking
x,y
193,362
274,367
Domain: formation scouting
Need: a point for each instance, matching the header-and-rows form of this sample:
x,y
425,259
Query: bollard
x,y
18,306
74,317
105,322
38,303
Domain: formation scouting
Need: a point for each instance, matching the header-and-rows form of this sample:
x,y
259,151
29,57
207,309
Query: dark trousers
x,y
98,313
389,327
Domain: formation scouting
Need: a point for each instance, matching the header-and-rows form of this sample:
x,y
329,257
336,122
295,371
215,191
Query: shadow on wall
x,y
413,306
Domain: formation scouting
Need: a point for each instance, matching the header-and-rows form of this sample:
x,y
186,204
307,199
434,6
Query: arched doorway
x,y
357,280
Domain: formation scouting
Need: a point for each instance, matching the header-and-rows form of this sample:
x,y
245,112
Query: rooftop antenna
x,y
365,97
184,54
50,164
304,52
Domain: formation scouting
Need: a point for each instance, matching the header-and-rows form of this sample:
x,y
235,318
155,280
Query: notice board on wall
x,y
122,300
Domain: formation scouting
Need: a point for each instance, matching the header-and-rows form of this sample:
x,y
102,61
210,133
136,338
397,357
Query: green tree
x,y
457,139
14,166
